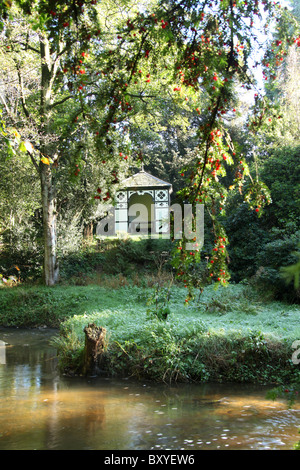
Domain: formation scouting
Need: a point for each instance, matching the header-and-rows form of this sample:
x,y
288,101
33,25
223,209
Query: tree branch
x,y
60,101
4,103
35,164
27,46
27,114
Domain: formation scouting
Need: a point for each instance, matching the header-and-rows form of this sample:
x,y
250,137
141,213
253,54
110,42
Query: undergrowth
x,y
230,334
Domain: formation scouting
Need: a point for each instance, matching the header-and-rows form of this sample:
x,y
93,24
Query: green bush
x,y
115,257
129,254
267,241
246,237
271,259
80,264
22,264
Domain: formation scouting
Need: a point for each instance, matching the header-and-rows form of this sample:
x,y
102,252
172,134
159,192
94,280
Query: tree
x,y
197,51
39,39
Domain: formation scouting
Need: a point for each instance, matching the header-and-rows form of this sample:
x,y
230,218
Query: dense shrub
x,y
80,264
23,265
261,246
247,236
116,257
271,258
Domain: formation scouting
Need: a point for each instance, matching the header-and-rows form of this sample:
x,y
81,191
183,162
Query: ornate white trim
x,y
161,195
121,196
141,192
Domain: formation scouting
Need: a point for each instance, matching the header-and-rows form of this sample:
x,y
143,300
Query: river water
x,y
42,410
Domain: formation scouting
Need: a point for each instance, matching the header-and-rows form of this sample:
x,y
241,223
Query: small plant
x,y
70,350
159,302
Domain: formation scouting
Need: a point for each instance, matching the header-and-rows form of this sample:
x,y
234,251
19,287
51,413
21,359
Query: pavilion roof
x,y
143,179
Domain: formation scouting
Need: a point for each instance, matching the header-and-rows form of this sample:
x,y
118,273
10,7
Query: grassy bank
x,y
227,335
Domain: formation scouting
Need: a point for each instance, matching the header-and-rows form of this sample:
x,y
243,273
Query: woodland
x,y
205,94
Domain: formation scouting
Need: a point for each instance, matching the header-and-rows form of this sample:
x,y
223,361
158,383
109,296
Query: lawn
x,y
235,308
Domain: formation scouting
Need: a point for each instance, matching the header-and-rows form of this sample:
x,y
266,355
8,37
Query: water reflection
x,y
42,410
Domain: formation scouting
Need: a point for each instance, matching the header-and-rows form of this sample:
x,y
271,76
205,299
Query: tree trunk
x,y
88,230
51,271
48,71
94,345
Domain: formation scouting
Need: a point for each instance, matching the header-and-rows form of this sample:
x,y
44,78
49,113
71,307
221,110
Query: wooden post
x,y
94,345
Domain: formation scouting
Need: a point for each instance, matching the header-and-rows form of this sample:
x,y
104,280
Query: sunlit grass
x,y
228,334
236,308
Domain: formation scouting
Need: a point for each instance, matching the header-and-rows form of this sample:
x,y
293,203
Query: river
x,y
43,410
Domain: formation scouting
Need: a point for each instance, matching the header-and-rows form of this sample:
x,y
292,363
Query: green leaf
x,y
22,147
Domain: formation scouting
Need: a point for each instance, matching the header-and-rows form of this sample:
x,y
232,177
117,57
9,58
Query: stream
x,y
43,410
